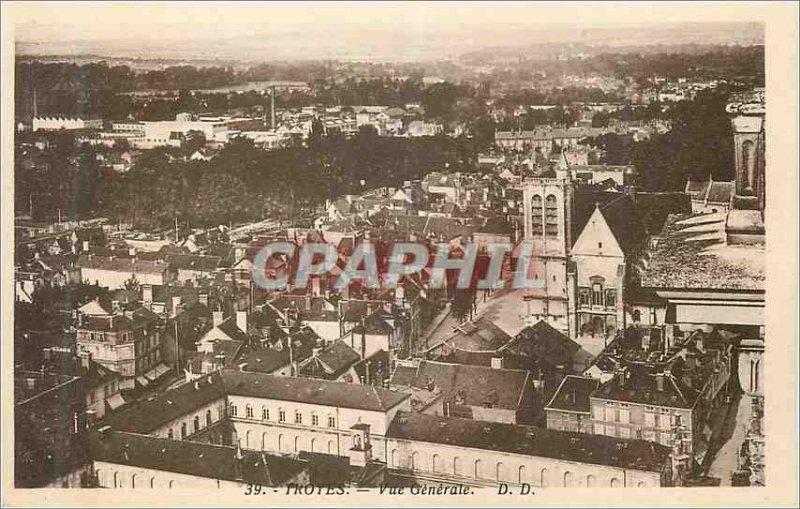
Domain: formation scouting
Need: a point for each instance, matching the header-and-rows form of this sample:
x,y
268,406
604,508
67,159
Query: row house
x,y
368,425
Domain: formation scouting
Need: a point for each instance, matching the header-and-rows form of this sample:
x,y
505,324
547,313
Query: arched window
x,y
98,475
281,415
247,439
543,478
152,483
208,418
183,431
264,413
298,417
567,479
248,411
330,447
133,480
477,469
233,410
614,482
641,484
414,460
434,463
117,484
499,473
170,434
196,423
590,482
393,458
264,441
171,484
280,443
551,215
537,215
296,444
521,474
456,466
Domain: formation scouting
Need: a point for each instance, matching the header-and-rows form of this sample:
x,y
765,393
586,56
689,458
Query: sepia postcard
x,y
399,254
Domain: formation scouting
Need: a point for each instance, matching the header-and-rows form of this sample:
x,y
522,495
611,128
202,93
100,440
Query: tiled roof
x,y
193,262
127,265
312,391
544,343
530,441
145,416
475,385
193,458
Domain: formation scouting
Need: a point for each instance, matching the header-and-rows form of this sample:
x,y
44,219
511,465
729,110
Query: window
x,y
611,298
624,414
170,434
208,418
281,415
264,413
331,422
314,420
298,417
599,245
583,294
183,430
233,410
196,423
536,217
248,411
597,294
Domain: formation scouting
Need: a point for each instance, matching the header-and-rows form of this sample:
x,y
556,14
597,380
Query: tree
x,y
131,284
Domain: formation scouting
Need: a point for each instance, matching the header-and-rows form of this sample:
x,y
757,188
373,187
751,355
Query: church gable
x,y
597,239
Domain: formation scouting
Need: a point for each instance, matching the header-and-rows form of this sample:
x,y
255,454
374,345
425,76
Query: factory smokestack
x,y
272,109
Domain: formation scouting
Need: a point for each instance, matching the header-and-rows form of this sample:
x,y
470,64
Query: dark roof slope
x,y
312,391
193,458
145,416
544,343
475,385
530,441
573,394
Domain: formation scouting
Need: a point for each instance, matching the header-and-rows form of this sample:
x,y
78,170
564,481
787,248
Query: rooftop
x,y
691,254
530,441
472,385
193,458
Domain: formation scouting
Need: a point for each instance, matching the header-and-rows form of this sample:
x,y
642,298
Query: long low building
x,y
371,426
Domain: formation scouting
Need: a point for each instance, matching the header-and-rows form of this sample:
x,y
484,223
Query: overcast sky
x,y
342,27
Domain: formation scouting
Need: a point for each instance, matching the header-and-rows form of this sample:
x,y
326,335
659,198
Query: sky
x,y
335,29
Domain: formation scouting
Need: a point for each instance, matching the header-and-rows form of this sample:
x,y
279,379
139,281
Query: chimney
x,y
660,382
86,359
497,362
272,109
241,320
203,299
217,318
147,294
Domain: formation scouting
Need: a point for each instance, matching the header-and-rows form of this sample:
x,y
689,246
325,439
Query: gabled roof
x,y
544,343
474,385
620,213
230,329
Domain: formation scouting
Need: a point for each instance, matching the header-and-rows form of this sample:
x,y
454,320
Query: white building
x,y
66,123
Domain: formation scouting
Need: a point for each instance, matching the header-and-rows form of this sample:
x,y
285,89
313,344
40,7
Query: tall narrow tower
x,y
272,109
